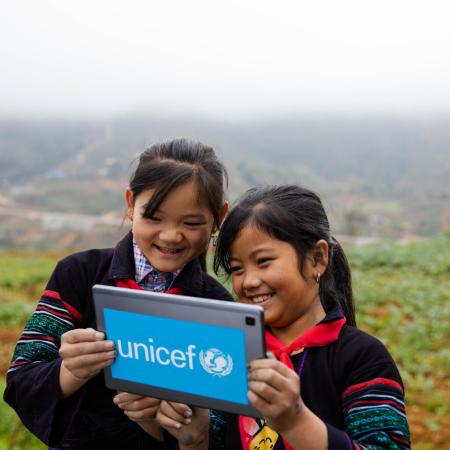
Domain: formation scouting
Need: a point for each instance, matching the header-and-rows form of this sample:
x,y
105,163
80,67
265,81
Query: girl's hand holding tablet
x,y
141,410
189,425
274,390
138,408
84,353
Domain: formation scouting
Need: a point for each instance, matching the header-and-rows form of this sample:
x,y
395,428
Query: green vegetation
x,y
402,297
24,271
15,314
68,196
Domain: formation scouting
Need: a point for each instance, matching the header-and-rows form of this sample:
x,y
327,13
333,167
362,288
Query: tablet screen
x,y
184,356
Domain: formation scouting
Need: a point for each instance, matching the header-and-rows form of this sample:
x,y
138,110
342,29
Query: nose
x,y
251,280
171,235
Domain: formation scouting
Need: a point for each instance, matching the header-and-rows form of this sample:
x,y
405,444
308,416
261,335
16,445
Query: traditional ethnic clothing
x,y
347,378
88,419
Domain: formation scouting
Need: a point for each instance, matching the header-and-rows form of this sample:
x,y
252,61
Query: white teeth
x,y
261,298
169,250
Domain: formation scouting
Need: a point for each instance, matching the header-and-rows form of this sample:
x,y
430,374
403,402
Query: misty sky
x,y
223,58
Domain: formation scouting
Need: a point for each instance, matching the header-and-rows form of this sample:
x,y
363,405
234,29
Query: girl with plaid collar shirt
x,y
175,201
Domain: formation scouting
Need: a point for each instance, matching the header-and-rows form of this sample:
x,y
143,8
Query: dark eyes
x,y
188,224
263,261
194,224
260,262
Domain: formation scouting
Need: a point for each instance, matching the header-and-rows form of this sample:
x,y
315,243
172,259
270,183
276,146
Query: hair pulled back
x,y
294,215
167,165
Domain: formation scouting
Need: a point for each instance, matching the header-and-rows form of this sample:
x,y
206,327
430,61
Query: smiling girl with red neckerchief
x,y
329,385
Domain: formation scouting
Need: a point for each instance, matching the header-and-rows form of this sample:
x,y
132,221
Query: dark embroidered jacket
x,y
352,384
88,419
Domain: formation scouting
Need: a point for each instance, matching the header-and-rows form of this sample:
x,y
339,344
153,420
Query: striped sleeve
x,y
374,414
41,337
32,387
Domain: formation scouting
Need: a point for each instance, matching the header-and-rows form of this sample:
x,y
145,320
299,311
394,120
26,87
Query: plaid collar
x,y
148,277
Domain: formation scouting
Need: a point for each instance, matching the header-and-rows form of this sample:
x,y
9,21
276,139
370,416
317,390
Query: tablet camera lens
x,y
250,320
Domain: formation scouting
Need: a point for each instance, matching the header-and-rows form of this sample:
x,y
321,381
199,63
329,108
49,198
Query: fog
x,y
223,59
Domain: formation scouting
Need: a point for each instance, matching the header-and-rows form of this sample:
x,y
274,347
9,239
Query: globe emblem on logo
x,y
216,362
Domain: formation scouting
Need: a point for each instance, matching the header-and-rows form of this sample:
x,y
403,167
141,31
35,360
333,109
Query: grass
x,y
402,297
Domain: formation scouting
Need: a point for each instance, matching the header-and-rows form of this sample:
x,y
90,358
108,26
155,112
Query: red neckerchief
x,y
131,284
317,336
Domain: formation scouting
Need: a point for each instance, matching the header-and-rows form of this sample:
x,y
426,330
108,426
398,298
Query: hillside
x,y
377,176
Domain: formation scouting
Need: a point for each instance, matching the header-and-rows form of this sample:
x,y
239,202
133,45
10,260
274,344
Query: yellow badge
x,y
265,439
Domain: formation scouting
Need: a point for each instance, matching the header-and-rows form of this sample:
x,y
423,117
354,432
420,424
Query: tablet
x,y
185,349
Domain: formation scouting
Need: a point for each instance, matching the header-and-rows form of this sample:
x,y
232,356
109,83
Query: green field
x,y
402,295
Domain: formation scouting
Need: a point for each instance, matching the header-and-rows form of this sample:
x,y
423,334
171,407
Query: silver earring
x,y
318,278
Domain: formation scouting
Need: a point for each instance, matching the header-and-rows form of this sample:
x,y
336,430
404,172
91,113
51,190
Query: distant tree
x,y
354,222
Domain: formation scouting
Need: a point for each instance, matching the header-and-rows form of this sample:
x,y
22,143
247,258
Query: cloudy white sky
x,y
223,58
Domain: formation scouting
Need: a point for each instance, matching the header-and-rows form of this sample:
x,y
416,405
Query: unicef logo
x,y
216,362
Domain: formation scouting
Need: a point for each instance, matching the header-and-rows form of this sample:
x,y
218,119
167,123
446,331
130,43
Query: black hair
x,y
167,165
294,215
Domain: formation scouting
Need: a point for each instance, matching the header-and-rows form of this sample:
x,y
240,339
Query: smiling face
x,y
179,230
266,272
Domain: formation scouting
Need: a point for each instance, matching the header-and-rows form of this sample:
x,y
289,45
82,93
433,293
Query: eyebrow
x,y
198,215
194,216
253,253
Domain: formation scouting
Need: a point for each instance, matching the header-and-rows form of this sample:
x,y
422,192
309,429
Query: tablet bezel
x,y
181,307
